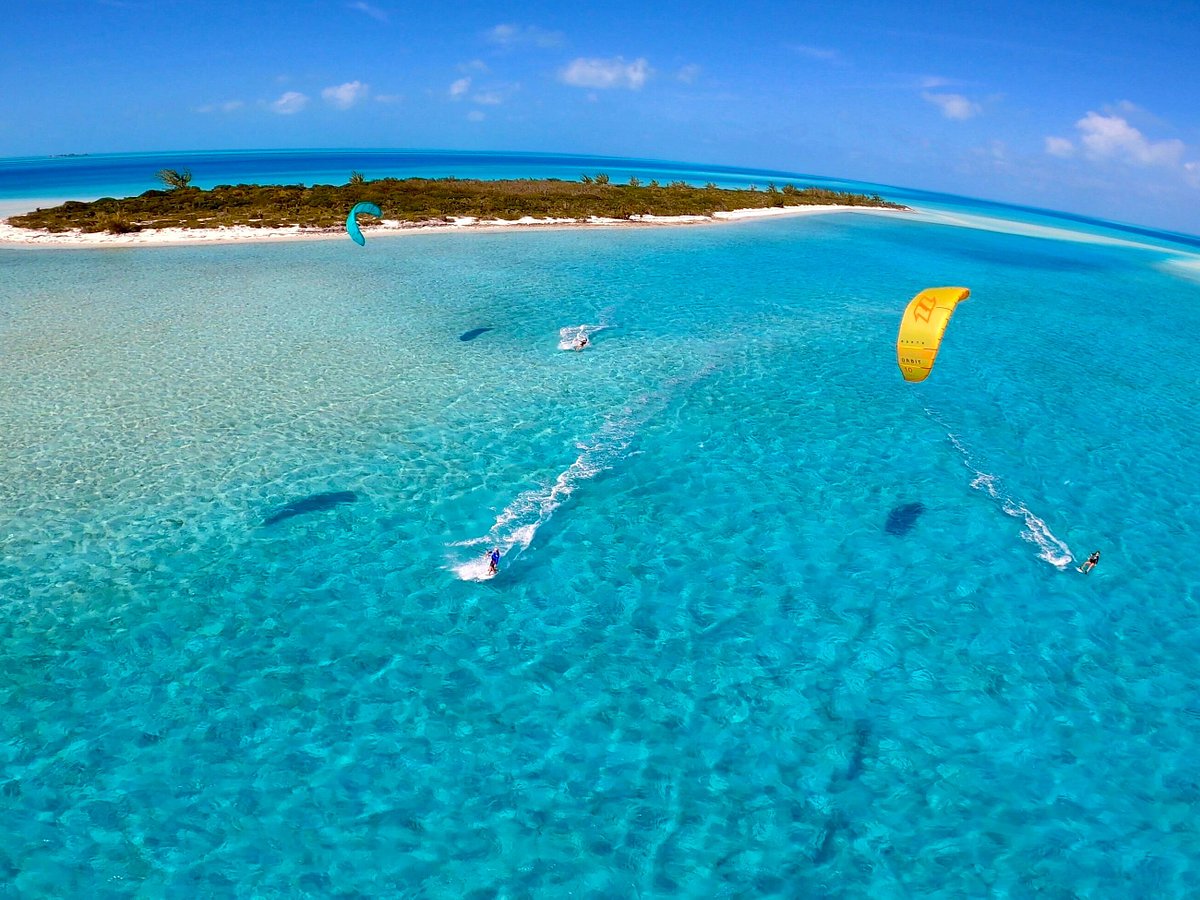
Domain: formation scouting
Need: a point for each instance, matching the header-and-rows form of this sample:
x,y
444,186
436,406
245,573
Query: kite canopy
x,y
922,327
352,224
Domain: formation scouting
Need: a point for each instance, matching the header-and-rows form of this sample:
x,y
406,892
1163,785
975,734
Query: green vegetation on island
x,y
416,200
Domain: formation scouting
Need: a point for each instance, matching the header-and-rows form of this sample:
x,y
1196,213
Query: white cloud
x,y
689,73
475,116
373,11
344,96
460,87
388,98
489,98
954,106
1112,137
290,103
606,73
934,81
1057,146
523,36
227,107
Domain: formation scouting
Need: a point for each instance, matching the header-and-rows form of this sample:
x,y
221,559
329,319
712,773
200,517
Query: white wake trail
x,y
518,523
1050,548
568,335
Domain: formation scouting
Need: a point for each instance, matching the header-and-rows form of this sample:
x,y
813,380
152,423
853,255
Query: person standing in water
x,y
494,561
1091,562
581,342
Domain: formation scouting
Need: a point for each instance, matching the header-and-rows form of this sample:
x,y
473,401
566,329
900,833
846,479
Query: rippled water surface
x,y
768,620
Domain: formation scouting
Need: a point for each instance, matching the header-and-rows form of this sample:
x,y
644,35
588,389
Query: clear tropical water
x,y
707,667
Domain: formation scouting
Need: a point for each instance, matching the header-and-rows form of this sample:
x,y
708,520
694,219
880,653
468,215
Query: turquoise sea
x,y
769,621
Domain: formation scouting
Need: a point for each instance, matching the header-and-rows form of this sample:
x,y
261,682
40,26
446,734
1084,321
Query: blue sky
x,y
1088,107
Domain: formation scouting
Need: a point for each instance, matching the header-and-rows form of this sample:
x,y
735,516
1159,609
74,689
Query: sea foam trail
x,y
1036,531
516,526
568,335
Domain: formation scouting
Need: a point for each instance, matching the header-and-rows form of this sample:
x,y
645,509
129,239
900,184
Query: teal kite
x,y
352,224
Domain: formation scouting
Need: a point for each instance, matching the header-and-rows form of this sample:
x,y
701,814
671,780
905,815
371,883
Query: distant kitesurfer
x,y
1090,563
494,561
581,342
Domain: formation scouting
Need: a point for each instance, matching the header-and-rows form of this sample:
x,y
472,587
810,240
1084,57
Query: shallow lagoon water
x,y
706,667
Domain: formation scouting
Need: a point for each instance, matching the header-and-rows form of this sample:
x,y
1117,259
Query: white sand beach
x,y
10,235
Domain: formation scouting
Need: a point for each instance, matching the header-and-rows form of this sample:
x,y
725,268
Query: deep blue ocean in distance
x,y
768,622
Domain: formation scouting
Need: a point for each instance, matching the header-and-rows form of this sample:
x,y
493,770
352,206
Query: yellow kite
x,y
922,328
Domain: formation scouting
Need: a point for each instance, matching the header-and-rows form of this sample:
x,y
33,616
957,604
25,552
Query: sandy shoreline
x,y
12,236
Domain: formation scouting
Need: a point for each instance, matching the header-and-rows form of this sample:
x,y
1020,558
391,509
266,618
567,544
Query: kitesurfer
x,y
581,342
494,561
1090,563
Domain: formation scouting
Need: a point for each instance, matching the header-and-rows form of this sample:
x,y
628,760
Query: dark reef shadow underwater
x,y
903,518
311,503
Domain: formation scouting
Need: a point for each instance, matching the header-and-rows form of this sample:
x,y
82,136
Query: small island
x,y
417,201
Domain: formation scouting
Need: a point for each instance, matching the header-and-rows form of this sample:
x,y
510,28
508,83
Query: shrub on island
x,y
417,200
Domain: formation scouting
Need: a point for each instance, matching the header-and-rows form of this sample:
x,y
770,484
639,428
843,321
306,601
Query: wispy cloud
x,y
953,106
523,36
290,103
606,73
822,54
388,98
344,96
475,116
1060,146
688,74
227,107
373,11
489,95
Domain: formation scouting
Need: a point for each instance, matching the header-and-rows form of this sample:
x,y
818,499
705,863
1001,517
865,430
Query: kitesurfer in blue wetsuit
x,y
494,561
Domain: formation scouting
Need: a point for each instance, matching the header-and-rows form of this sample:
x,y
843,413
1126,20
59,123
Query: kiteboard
x,y
477,569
